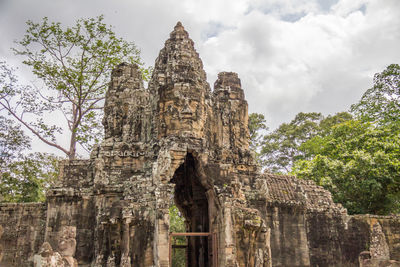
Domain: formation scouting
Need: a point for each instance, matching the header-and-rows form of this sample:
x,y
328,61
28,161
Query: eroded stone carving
x,y
67,246
378,254
47,257
179,141
64,257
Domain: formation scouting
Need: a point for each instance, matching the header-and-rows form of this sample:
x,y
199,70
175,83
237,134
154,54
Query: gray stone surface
x,y
179,142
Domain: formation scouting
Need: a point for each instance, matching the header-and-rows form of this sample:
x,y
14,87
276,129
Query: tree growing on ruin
x,y
280,148
358,159
23,177
257,127
72,66
359,163
381,103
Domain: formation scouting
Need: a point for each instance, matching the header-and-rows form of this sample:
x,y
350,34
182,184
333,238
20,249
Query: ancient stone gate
x,y
179,141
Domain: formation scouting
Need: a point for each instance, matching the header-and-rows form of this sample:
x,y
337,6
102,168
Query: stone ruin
x,y
47,257
180,142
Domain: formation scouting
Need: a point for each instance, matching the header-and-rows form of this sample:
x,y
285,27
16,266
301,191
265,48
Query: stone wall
x,y
178,142
308,229
24,227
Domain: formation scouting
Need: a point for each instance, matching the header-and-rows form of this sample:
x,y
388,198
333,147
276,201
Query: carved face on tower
x,y
182,111
182,87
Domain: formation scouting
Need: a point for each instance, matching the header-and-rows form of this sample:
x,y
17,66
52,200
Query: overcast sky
x,y
291,55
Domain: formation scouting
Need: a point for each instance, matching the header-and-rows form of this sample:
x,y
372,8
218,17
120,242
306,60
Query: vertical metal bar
x,y
187,252
214,244
170,249
215,250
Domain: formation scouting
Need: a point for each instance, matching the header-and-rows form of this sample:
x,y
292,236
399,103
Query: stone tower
x,y
175,141
179,142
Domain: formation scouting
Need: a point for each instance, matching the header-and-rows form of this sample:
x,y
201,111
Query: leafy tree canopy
x,y
23,178
257,126
177,225
381,103
12,141
358,160
359,163
280,148
28,178
73,66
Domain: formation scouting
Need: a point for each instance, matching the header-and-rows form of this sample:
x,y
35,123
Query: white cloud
x,y
321,62
346,7
291,56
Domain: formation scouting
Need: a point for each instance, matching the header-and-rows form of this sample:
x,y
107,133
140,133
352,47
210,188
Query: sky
x,y
291,55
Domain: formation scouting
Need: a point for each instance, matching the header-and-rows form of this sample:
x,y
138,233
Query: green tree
x,y
326,125
73,66
257,126
359,163
28,178
177,225
24,178
12,141
381,103
280,148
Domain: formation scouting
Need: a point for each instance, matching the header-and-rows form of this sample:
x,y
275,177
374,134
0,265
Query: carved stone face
x,y
181,110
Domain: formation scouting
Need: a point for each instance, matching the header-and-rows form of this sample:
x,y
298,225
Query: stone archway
x,y
190,197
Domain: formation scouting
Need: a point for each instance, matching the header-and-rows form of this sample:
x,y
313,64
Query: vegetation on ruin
x,y
72,66
257,127
24,177
381,103
356,156
177,225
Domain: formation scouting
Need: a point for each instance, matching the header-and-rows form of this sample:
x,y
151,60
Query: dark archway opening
x,y
191,200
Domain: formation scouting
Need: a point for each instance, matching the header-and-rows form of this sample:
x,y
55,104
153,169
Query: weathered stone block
x,y
178,141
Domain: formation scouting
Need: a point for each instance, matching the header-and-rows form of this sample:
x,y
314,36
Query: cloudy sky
x,y
291,55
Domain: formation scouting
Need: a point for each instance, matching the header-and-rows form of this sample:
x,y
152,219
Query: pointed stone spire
x,y
178,61
179,87
179,32
228,84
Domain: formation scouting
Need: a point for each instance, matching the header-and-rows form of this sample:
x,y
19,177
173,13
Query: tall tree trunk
x,y
75,124
72,145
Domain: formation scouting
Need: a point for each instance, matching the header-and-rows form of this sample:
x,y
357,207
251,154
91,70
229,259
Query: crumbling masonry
x,y
178,141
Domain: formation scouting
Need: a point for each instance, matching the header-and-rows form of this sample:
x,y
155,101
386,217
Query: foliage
x,y
381,103
359,163
326,125
73,65
281,147
257,125
358,160
177,225
26,179
12,141
23,178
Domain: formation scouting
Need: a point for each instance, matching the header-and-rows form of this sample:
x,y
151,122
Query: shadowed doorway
x,y
191,200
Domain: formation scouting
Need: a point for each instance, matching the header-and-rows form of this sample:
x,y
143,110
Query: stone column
x,y
125,258
1,247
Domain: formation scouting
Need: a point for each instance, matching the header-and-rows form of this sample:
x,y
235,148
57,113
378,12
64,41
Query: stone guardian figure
x,y
47,257
67,246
